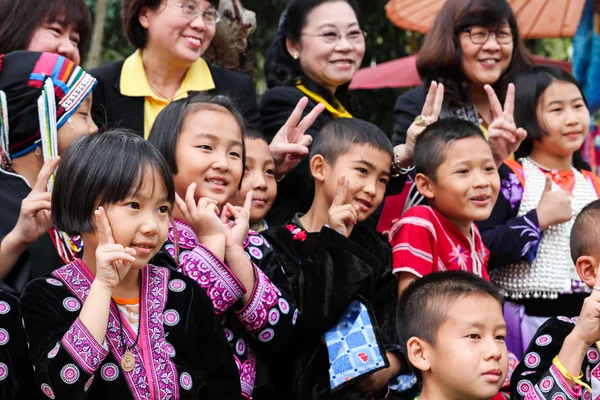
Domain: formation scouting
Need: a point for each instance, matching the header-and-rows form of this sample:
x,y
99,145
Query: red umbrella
x,y
536,18
402,73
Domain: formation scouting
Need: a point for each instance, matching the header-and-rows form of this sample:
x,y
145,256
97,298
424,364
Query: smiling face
x,y
209,153
175,37
563,115
80,124
259,176
485,63
57,37
472,336
141,220
368,171
330,64
466,185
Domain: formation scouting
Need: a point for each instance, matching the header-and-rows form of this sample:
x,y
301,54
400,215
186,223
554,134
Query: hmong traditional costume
x,y
38,94
534,269
264,324
343,288
181,352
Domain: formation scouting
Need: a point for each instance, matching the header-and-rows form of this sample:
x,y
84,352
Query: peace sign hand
x,y
429,114
202,216
113,261
342,216
238,231
290,144
34,217
503,135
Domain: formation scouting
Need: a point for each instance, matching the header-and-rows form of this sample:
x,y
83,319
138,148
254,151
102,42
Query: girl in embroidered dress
x,y
110,324
542,191
202,139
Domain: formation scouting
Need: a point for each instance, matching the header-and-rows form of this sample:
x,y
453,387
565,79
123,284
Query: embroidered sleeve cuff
x,y
410,270
83,348
209,271
573,393
255,314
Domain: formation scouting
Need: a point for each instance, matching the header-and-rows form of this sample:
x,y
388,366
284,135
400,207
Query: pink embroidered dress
x,y
265,321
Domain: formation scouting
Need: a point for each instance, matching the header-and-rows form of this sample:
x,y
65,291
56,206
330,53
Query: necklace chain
x,y
158,92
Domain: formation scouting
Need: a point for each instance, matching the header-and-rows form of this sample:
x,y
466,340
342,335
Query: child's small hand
x,y
238,232
376,381
554,207
429,114
342,216
503,135
113,261
202,216
588,327
34,217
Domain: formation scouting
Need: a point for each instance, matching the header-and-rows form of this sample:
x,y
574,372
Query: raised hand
x,y
429,114
290,144
554,207
238,230
202,216
588,327
113,261
34,217
342,216
503,134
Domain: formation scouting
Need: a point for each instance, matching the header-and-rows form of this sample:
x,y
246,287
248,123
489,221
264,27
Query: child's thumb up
x,y
548,187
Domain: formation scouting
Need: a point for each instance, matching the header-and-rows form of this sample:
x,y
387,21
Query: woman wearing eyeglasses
x,y
318,48
170,37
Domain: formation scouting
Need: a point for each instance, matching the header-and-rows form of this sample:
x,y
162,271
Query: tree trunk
x,y
97,34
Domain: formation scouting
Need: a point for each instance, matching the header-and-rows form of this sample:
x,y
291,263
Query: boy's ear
x,y
424,185
587,268
416,351
318,167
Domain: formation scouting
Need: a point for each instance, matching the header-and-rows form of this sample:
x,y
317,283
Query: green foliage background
x,y
384,42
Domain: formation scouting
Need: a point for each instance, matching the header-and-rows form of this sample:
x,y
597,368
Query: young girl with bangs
x,y
542,192
202,139
109,323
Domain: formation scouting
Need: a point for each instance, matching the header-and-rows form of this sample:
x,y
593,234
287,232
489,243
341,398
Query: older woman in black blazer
x,y
170,38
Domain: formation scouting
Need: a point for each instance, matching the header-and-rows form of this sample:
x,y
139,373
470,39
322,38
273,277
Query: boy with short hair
x,y
453,330
346,345
456,172
259,176
563,359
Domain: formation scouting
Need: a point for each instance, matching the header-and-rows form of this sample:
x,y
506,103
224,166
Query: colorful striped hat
x,y
38,93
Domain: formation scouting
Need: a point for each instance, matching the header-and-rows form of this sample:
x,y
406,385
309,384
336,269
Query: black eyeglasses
x,y
480,35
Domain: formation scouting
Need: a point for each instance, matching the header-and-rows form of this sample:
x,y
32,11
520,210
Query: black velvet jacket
x,y
327,272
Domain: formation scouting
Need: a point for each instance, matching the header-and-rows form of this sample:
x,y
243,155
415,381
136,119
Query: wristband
x,y
563,371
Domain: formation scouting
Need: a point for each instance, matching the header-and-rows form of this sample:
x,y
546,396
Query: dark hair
x,y
430,149
340,135
584,233
130,14
102,169
440,57
254,135
20,18
167,126
423,306
530,86
281,69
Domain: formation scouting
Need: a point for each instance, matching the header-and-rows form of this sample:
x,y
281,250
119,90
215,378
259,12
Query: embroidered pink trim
x,y
254,315
83,348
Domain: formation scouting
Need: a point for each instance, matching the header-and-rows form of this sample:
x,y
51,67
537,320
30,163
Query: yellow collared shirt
x,y
134,83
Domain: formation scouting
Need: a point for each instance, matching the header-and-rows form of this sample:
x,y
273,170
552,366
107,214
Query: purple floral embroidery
x,y
254,316
82,346
512,190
